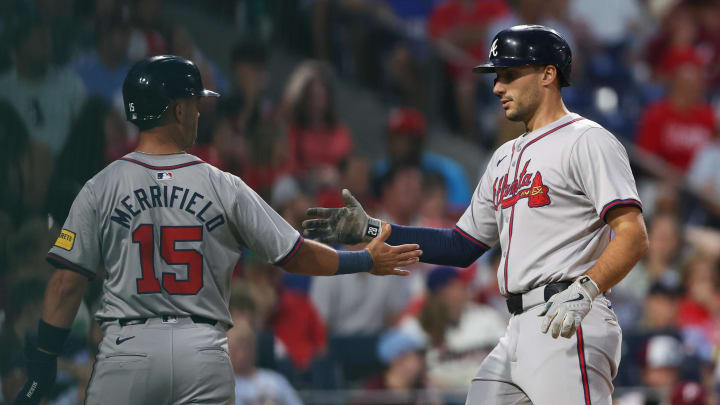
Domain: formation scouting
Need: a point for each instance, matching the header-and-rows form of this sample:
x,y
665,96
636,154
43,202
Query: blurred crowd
x,y
648,70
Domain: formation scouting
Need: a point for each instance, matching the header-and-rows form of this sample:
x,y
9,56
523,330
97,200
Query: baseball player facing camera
x,y
168,229
552,198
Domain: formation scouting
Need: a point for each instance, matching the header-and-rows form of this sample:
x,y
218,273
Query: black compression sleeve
x,y
449,247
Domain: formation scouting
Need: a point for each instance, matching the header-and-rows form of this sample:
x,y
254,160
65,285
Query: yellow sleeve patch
x,y
66,240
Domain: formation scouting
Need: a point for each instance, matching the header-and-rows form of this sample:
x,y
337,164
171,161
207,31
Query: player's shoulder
x,y
584,129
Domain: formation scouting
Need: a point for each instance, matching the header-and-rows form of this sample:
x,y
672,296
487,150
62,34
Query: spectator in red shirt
x,y
700,307
462,24
676,127
318,141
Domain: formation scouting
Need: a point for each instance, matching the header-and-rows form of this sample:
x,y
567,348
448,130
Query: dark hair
x,y
20,26
82,156
301,114
14,141
249,50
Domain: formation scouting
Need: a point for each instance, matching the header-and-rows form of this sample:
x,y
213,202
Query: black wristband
x,y
51,338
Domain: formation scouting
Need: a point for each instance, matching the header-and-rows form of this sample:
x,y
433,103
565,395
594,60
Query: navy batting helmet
x,y
153,83
529,45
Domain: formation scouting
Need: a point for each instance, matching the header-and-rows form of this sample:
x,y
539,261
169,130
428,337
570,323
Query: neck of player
x,y
158,141
550,109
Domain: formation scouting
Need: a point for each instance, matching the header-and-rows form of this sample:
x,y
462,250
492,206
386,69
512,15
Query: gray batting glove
x,y
565,310
349,225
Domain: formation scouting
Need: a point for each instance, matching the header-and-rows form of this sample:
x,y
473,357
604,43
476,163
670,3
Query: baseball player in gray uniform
x,y
168,230
562,203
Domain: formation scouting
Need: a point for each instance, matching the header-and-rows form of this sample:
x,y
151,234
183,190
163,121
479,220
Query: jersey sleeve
x,y
478,223
601,167
78,246
261,229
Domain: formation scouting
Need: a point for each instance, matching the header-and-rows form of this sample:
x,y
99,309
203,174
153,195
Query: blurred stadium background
x,y
375,96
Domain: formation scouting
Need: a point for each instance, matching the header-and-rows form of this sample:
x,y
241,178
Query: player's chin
x,y
513,115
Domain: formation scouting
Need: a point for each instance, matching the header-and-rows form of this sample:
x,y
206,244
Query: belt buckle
x,y
169,319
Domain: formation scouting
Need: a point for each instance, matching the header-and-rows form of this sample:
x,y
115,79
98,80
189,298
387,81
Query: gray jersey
x,y
168,230
544,197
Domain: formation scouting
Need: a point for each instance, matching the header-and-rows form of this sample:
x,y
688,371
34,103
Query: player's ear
x,y
549,75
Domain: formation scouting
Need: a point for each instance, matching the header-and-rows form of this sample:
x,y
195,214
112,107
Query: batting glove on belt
x,y
41,371
565,310
349,225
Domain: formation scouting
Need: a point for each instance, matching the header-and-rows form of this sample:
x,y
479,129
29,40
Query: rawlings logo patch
x,y
66,240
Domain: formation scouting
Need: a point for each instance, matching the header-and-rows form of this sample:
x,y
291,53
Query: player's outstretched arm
x,y
351,225
379,258
565,310
62,299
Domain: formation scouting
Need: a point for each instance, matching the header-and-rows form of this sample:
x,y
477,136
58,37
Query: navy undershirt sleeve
x,y
446,247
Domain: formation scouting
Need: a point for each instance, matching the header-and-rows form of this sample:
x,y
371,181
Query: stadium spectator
x,y
660,265
612,22
675,128
461,27
434,206
290,201
318,140
359,304
103,69
25,167
660,310
268,160
149,36
700,306
703,180
293,319
97,137
457,334
405,134
255,385
663,358
401,195
46,97
686,24
248,63
404,372
181,43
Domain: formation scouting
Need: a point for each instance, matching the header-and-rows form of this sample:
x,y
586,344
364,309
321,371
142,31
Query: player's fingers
x,y
545,310
546,321
350,201
313,233
407,262
315,223
568,326
399,272
320,212
410,247
557,324
415,254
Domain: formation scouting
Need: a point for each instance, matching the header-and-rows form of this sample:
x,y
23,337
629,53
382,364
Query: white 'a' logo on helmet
x,y
493,48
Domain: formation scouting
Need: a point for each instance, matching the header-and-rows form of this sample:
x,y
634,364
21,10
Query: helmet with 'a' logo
x,y
523,45
153,83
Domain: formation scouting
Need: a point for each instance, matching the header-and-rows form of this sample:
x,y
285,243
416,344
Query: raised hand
x,y
348,225
387,259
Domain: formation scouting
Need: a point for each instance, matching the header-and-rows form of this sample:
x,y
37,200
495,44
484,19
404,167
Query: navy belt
x,y
165,318
515,301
